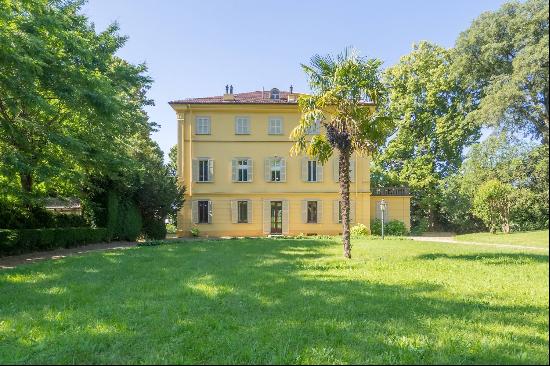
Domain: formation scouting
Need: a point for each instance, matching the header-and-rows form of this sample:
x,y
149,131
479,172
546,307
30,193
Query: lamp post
x,y
383,206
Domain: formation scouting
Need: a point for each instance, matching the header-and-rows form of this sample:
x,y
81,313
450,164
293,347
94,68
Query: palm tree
x,y
348,100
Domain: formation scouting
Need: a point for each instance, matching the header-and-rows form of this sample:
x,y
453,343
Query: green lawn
x,y
279,301
529,238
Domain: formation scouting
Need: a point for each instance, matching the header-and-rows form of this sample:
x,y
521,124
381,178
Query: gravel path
x,y
450,240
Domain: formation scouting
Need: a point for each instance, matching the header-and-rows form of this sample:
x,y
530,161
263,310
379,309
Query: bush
x,y
154,229
194,231
20,217
392,228
359,230
420,227
27,240
171,229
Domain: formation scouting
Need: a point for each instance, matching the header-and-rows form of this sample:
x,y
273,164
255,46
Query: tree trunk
x,y
344,191
26,182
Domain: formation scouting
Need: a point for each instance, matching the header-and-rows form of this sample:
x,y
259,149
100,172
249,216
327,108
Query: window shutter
x,y
335,211
249,211
304,211
195,169
195,212
267,169
285,217
319,212
267,217
234,170
209,212
234,213
335,169
250,168
283,170
319,171
210,170
352,170
304,169
208,123
352,211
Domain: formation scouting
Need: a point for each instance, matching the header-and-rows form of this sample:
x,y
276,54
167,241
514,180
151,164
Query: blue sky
x,y
195,48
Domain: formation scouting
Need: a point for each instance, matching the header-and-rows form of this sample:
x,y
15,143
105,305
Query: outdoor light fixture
x,y
383,207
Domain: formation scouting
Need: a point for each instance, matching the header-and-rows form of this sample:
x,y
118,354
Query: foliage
x,y
348,100
503,62
420,227
392,228
429,102
154,229
359,230
171,229
35,217
493,204
20,241
395,290
194,231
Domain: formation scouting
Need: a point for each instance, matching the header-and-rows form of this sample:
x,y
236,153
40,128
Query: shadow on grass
x,y
491,258
247,301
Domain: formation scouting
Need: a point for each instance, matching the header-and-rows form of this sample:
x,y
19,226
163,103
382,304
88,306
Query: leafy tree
x,y
493,204
173,161
347,100
503,61
67,102
430,104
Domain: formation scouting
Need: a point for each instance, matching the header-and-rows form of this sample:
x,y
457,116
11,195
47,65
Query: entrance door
x,y
276,217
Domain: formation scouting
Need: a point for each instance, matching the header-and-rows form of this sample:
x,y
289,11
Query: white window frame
x,y
314,129
204,162
312,171
275,129
239,221
276,166
203,125
242,125
242,169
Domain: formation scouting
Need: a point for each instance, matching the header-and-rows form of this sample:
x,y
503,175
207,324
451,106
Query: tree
x,y
503,61
173,161
493,205
347,100
68,104
430,105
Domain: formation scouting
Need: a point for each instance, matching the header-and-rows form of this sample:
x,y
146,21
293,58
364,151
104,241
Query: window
x,y
276,170
242,126
275,126
242,170
242,211
312,171
274,93
314,128
203,126
204,171
312,212
203,212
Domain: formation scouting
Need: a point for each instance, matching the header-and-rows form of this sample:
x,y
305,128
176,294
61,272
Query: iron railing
x,y
390,191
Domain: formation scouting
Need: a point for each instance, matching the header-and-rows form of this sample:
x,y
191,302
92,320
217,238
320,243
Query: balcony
x,y
390,191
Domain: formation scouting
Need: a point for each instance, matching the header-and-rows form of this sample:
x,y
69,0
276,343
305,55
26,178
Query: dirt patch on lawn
x,y
15,260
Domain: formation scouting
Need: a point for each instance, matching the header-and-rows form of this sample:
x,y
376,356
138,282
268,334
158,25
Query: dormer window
x,y
274,93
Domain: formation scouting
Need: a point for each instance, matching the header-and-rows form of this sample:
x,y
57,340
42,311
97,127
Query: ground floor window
x,y
242,211
312,212
203,212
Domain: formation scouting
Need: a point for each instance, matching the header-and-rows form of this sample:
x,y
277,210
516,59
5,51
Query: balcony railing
x,y
390,191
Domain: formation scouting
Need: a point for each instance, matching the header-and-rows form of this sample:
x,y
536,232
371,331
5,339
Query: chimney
x,y
228,96
292,98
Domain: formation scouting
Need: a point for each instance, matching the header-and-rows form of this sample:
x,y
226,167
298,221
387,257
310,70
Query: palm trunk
x,y
344,191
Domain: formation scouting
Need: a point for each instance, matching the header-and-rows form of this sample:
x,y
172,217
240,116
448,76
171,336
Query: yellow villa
x,y
233,157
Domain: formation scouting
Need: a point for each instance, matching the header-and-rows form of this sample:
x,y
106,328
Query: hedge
x,y
393,228
29,240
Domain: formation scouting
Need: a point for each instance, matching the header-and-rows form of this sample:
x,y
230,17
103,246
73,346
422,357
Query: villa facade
x,y
234,159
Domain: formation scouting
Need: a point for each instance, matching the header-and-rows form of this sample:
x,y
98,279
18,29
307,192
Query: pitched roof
x,y
255,97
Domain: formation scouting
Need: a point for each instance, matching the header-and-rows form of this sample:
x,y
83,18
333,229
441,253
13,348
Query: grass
x,y
528,238
279,301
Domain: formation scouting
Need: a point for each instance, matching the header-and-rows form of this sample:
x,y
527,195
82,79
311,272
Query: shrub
x,y
20,217
19,241
359,230
154,229
194,231
420,227
171,229
392,228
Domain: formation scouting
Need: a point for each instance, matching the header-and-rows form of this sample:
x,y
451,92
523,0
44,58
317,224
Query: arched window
x,y
274,93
